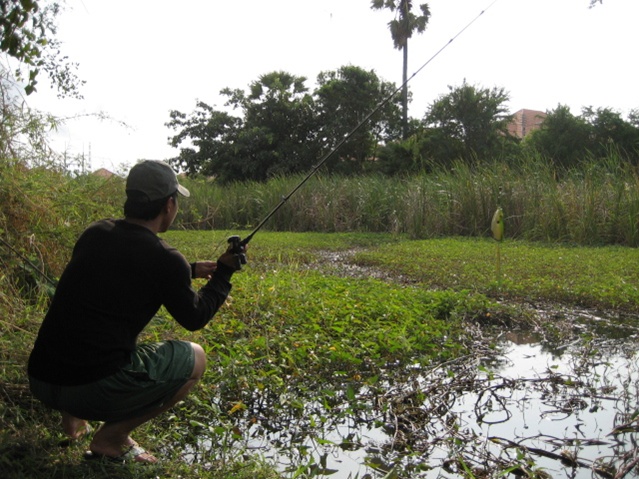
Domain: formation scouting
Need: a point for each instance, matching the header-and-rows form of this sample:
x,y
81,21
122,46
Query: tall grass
x,y
44,210
595,204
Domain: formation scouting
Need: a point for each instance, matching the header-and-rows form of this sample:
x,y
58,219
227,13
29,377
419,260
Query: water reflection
x,y
564,409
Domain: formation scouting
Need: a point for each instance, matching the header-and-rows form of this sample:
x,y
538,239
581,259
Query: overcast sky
x,y
143,58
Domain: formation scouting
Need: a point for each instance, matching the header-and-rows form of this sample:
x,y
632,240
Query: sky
x,y
142,59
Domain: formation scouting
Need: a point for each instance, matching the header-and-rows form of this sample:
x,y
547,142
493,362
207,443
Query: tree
x,y
281,111
568,140
470,122
274,134
343,99
280,128
402,28
563,137
27,33
207,141
609,129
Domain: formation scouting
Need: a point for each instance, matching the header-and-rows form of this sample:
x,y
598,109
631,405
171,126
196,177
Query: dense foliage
x,y
567,139
284,129
467,123
596,203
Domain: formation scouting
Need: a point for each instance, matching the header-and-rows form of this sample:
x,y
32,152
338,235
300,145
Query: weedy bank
x,y
319,329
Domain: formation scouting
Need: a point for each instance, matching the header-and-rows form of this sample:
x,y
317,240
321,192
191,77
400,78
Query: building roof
x,y
104,173
525,121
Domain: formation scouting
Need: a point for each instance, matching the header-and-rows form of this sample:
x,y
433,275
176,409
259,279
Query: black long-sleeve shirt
x,y
119,276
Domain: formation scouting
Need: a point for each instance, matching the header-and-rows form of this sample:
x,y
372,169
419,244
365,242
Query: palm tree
x,y
402,28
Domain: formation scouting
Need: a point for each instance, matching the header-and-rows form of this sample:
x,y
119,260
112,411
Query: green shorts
x,y
156,372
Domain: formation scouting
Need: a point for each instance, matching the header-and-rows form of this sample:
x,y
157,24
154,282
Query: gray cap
x,y
154,180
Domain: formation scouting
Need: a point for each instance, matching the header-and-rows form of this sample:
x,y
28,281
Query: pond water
x,y
562,405
527,408
550,411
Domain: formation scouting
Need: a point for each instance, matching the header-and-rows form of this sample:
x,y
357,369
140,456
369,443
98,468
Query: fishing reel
x,y
237,248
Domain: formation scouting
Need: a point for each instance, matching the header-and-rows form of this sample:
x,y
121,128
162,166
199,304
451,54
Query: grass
x,y
593,277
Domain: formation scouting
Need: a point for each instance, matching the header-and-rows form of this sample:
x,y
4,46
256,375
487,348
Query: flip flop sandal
x,y
131,455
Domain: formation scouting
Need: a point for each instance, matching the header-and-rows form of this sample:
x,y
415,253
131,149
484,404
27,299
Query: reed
x,y
597,203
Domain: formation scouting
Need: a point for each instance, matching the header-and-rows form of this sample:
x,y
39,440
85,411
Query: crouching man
x,y
86,361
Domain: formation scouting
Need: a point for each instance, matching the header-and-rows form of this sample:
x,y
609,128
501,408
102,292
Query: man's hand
x,y
232,259
204,269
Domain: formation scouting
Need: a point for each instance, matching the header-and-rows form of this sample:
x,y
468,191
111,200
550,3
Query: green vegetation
x,y
320,317
532,273
281,128
28,35
302,326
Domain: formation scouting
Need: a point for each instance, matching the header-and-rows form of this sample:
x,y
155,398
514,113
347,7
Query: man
x,y
85,361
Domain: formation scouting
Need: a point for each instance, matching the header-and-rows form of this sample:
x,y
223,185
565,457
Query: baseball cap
x,y
153,180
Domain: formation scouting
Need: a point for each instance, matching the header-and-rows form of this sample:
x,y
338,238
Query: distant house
x,y
525,121
103,173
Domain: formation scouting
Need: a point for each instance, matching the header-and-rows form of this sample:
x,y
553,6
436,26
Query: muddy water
x,y
530,408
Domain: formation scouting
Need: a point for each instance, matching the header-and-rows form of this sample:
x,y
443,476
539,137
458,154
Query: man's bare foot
x,y
74,427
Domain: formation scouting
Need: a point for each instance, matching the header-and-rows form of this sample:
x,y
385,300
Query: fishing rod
x,y
237,244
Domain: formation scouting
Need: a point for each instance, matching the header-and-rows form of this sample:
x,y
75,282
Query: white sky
x,y
143,58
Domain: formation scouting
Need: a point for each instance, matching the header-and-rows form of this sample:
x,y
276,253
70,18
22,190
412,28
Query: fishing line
x,y
238,243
